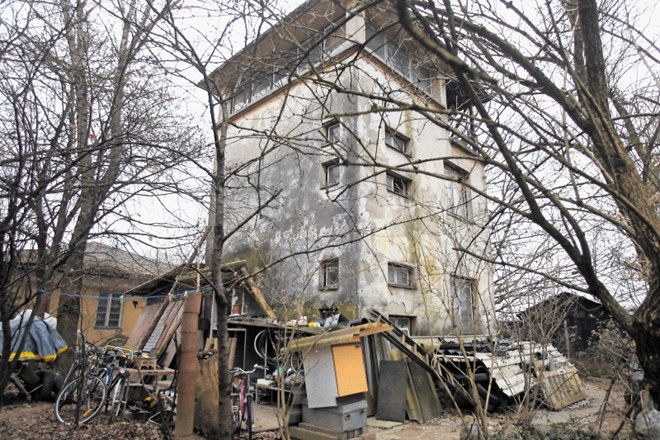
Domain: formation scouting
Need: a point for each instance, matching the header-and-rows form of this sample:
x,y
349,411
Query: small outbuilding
x,y
570,322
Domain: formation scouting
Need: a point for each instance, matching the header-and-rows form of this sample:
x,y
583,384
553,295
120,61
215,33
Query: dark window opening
x,y
398,185
329,272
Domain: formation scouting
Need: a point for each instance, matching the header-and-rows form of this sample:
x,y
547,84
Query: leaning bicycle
x,y
83,394
115,377
90,381
242,400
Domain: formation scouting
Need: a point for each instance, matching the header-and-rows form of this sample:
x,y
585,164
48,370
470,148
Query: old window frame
x,y
109,304
397,141
463,291
398,184
460,198
396,271
332,172
329,274
332,131
396,56
405,323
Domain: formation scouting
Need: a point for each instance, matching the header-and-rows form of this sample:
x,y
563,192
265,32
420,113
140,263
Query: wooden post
x,y
188,368
567,337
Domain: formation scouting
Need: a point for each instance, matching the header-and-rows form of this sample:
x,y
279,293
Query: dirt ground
x,y
583,415
21,420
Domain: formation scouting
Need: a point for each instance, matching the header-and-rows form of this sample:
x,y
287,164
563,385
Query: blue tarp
x,y
43,342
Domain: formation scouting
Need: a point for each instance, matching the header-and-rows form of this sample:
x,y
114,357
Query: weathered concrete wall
x,y
278,147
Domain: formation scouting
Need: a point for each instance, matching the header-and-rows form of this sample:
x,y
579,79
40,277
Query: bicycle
x,y
81,397
242,402
116,382
88,382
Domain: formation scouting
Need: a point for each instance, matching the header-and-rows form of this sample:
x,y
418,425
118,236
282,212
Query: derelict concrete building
x,y
348,187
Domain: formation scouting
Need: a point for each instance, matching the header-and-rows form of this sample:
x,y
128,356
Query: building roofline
x,y
290,18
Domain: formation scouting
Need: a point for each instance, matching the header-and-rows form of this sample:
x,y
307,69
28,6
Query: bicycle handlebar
x,y
240,372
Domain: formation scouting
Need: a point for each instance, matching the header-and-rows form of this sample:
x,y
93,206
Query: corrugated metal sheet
x,y
167,319
525,365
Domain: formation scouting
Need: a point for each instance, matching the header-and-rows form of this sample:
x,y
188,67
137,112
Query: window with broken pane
x,y
398,185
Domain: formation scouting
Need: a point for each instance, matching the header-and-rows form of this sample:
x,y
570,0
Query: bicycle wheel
x,y
119,397
78,402
249,418
235,413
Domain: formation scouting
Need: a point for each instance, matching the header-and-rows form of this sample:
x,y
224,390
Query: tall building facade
x,y
346,187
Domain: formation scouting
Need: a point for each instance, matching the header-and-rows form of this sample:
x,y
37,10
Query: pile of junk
x,y
328,381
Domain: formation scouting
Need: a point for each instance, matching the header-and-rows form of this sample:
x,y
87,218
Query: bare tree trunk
x,y
68,308
646,328
218,237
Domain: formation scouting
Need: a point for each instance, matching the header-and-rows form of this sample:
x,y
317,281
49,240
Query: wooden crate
x,y
145,363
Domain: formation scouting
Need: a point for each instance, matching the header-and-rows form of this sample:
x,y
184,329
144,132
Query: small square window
x,y
329,272
400,275
331,173
396,140
404,323
398,185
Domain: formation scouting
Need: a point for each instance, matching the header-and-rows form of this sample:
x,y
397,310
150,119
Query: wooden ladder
x,y
408,346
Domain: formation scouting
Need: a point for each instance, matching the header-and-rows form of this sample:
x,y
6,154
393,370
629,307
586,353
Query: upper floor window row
x,y
250,91
296,61
397,58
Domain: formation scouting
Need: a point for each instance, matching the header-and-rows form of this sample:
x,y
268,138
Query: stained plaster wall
x,y
416,230
280,150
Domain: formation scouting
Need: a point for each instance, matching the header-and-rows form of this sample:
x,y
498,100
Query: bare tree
x,y
90,131
572,137
186,47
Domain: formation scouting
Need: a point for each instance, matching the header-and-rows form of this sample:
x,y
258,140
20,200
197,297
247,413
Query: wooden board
x,y
319,375
143,324
562,387
350,373
206,392
413,407
206,401
425,391
392,381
